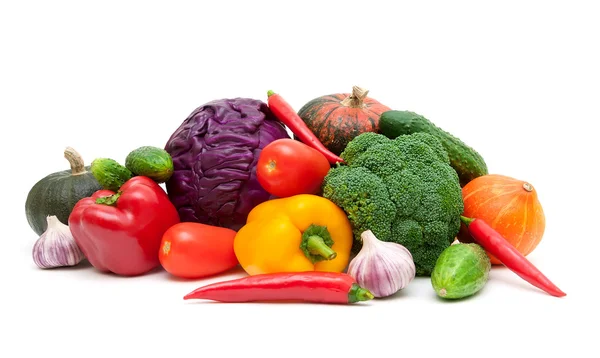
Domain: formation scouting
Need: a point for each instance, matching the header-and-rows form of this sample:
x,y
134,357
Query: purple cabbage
x,y
215,151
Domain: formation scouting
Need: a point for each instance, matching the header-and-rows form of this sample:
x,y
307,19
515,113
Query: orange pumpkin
x,y
508,205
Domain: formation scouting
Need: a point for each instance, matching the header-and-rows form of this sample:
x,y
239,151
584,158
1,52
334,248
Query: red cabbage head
x,y
215,151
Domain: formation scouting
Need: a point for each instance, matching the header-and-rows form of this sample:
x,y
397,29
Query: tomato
x,y
193,250
288,167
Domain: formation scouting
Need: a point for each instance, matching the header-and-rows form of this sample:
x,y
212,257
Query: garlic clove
x,y
383,268
56,247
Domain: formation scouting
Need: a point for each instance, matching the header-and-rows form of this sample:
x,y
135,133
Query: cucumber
x,y
467,162
109,173
151,162
460,271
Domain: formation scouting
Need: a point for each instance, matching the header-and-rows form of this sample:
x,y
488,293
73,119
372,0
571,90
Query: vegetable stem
x,y
356,99
109,200
317,246
358,293
75,160
270,93
467,221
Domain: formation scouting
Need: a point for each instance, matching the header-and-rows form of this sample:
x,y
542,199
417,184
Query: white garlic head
x,y
56,247
383,268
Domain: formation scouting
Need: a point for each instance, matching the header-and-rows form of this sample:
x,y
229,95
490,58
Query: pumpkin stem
x,y
356,99
75,160
528,187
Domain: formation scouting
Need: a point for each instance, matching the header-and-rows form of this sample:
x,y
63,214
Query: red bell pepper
x,y
121,232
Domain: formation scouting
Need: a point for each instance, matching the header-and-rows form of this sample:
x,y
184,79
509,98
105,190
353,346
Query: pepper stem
x,y
467,221
110,200
270,93
75,160
316,244
358,293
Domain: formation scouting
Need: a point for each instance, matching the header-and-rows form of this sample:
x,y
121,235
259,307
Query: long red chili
x,y
498,246
310,286
286,114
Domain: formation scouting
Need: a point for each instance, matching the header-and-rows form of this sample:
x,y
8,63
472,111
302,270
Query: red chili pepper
x,y
286,114
310,286
498,246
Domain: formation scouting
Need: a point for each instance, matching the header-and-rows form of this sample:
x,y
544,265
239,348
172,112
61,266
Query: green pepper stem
x,y
270,93
358,293
317,246
110,200
467,221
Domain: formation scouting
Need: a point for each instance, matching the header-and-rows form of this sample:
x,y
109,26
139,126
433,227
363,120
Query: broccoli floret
x,y
431,141
403,190
360,144
364,198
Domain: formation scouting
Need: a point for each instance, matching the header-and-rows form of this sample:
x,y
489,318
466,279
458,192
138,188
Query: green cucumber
x,y
460,271
152,162
109,173
467,162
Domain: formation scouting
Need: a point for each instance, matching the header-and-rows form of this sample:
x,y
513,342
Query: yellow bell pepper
x,y
299,233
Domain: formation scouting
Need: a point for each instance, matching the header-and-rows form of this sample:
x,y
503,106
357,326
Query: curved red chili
x,y
311,286
286,114
498,246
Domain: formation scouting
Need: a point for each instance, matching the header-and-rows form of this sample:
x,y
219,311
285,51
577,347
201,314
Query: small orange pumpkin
x,y
508,205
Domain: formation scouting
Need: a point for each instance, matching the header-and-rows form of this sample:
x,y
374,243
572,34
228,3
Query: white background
x,y
519,81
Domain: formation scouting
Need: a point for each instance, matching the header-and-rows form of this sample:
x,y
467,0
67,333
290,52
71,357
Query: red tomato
x,y
288,167
193,250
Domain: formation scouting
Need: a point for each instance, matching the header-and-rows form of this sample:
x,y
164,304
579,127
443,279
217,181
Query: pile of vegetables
x,y
343,201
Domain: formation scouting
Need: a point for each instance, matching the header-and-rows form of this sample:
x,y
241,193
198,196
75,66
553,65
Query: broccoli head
x,y
403,190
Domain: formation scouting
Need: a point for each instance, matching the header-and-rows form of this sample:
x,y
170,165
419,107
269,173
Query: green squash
x,y
57,193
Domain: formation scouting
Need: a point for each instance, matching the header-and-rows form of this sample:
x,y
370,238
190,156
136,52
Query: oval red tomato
x,y
287,167
194,250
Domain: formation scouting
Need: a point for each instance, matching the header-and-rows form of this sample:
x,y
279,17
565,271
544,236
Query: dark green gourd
x,y
467,162
57,193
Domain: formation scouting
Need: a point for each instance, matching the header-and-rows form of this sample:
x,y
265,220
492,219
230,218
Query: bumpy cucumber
x,y
460,271
152,162
467,162
109,173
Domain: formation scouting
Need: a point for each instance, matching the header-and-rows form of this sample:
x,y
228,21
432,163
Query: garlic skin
x,y
56,247
383,268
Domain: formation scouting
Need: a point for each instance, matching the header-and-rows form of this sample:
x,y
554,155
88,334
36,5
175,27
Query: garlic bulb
x,y
383,268
56,246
